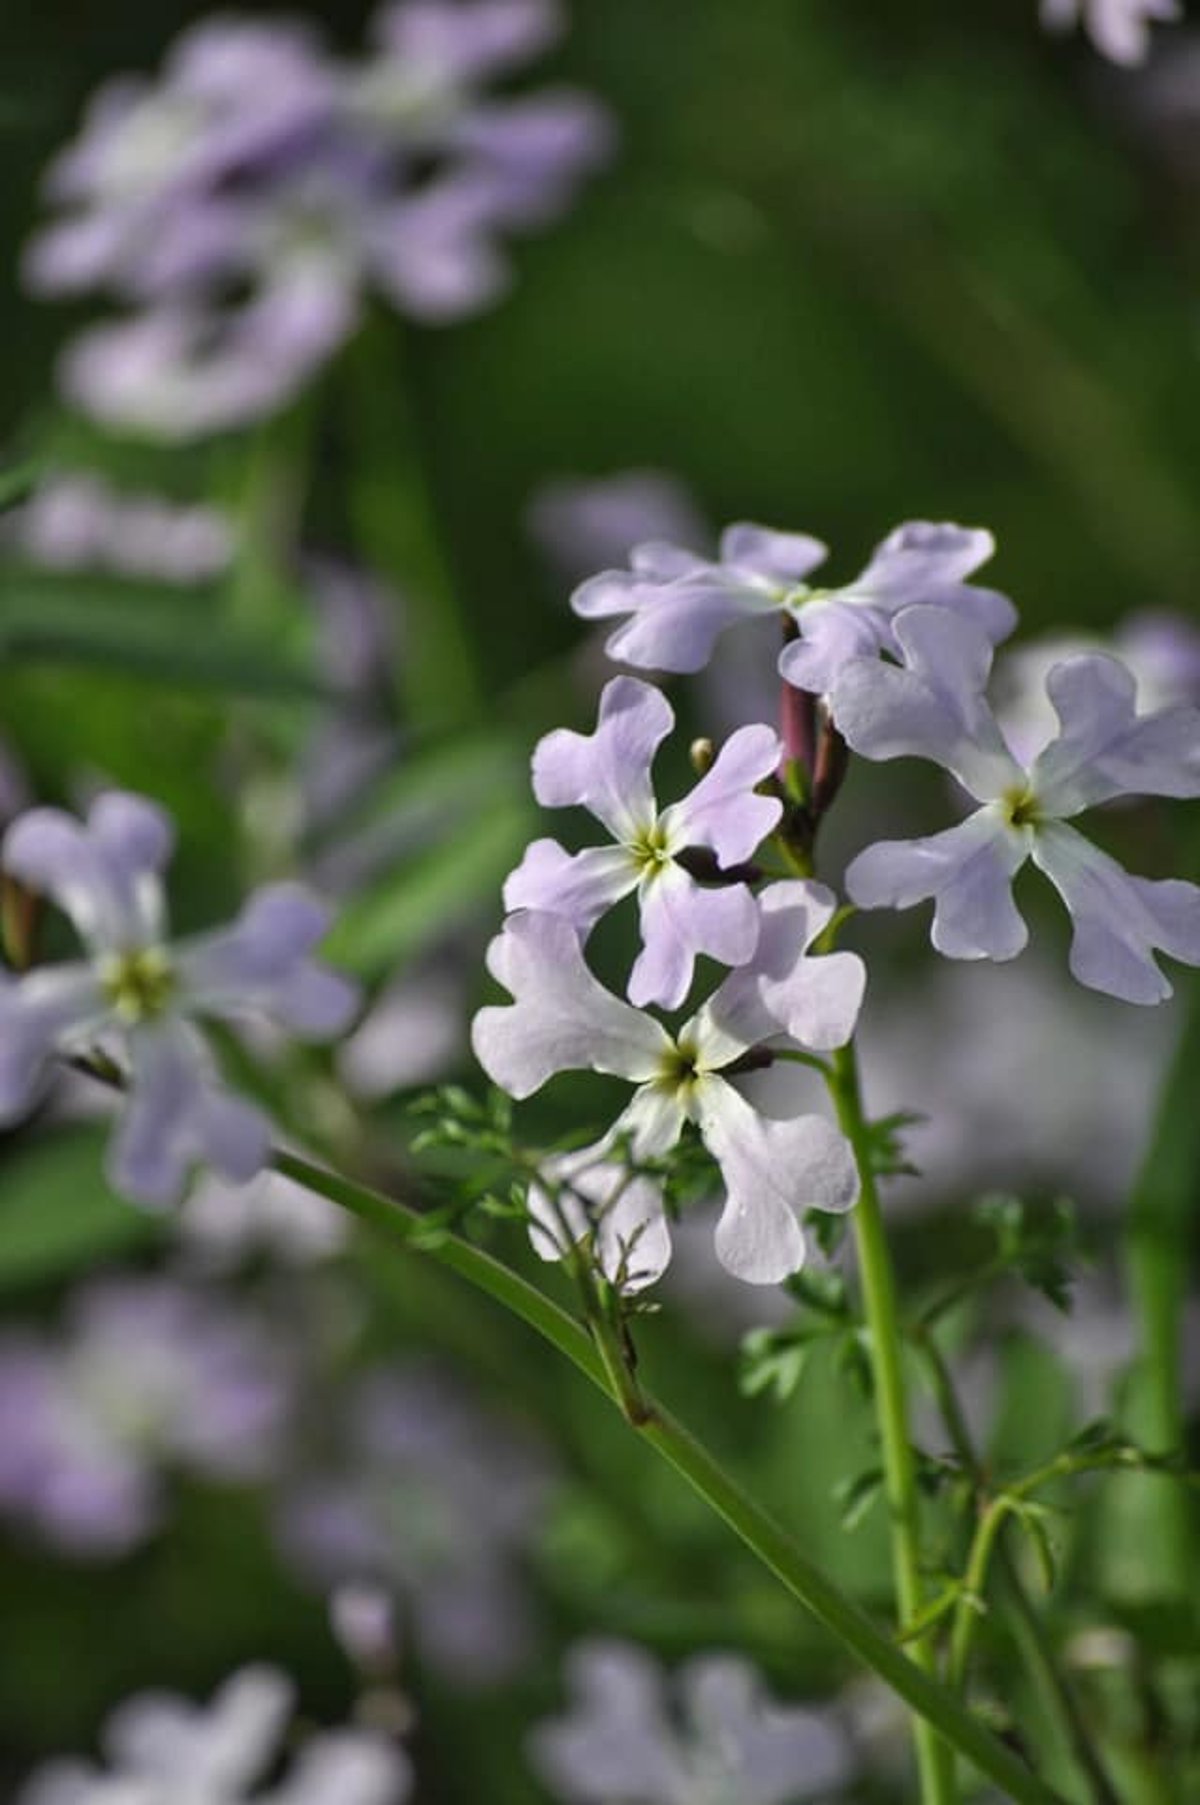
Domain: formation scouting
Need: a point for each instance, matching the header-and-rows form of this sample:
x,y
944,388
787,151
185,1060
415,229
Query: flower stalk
x,y
915,1684
900,1484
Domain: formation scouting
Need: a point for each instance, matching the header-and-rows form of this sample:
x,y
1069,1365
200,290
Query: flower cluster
x,y
133,1003
711,1735
148,1377
160,1749
78,521
426,1502
894,663
243,202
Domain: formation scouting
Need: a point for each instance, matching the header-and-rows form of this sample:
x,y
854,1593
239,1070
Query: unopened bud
x,y
703,755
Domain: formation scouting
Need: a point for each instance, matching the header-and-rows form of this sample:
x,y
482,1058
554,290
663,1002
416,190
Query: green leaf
x,y
155,639
57,1215
772,1362
428,897
855,1496
19,482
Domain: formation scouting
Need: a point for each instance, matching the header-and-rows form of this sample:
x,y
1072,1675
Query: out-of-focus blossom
x,y
709,1736
429,1500
243,202
160,1749
608,773
1161,649
1120,29
146,1378
414,1033
680,604
934,707
562,1019
136,998
223,1224
78,521
584,524
1057,1096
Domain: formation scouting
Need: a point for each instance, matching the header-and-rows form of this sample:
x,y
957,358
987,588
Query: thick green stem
x,y
891,1408
839,1614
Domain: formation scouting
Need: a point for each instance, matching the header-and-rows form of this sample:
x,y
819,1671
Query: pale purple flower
x,y
562,1019
582,524
160,1749
1058,1097
608,773
708,1735
78,521
223,1224
1161,649
244,202
146,1377
934,707
679,604
428,1499
1120,29
136,996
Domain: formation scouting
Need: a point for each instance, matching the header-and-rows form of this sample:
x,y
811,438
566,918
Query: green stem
x,y
900,1482
1150,1533
970,1606
756,1528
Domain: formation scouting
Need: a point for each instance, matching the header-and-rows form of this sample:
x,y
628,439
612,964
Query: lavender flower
x,y
1120,29
428,1499
562,1019
582,524
1161,649
135,997
146,1377
608,773
244,202
709,1737
934,707
223,1224
77,521
680,604
162,1750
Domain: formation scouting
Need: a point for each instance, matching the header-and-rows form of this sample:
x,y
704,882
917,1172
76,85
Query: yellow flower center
x,y
138,984
1021,808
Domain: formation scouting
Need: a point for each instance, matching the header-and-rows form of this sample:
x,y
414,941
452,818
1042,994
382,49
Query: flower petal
x,y
772,1171
103,873
561,1018
593,1191
1119,921
177,1115
579,886
722,810
355,1767
681,919
1104,747
157,1736
48,1010
933,706
784,989
608,772
784,559
260,964
967,870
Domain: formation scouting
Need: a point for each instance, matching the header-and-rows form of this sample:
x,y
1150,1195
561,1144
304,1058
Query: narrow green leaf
x,y
57,1215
